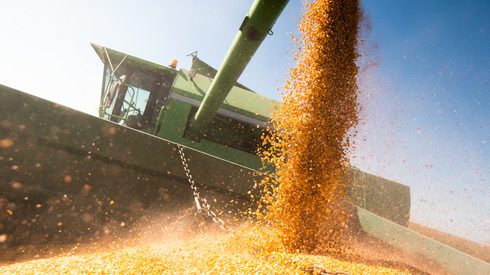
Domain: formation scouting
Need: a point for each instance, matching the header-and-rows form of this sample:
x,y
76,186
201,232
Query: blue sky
x,y
427,103
427,121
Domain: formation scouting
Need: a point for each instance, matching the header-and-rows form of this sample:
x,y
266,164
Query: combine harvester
x,y
66,175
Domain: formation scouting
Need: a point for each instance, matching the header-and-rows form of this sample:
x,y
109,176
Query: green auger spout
x,y
253,30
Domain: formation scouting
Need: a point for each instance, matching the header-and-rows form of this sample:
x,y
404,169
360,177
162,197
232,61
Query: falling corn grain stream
x,y
304,202
308,200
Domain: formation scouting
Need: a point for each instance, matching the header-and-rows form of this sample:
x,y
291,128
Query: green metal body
x,y
69,176
255,27
243,108
116,172
405,239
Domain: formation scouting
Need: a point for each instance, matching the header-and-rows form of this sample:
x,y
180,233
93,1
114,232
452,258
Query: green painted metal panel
x,y
173,121
386,198
205,69
451,259
238,100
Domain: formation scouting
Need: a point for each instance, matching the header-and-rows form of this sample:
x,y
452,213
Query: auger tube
x,y
253,30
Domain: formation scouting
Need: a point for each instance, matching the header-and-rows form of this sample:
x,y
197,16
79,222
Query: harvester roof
x,y
239,100
115,58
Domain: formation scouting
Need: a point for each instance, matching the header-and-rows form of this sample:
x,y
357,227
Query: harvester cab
x,y
133,90
163,101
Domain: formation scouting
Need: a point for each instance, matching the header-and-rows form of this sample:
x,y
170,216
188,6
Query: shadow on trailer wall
x,y
66,174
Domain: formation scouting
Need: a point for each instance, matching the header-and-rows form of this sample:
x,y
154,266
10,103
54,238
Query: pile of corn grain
x,y
306,208
246,252
306,199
